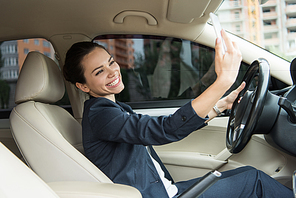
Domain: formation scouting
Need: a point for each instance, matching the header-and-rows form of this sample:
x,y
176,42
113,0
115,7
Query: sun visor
x,y
186,11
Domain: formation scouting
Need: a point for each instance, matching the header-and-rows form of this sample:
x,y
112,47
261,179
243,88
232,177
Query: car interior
x,y
41,149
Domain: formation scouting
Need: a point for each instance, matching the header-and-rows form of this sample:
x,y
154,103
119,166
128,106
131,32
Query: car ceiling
x,y
41,18
64,22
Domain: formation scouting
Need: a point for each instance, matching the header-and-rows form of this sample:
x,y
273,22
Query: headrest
x,y
40,80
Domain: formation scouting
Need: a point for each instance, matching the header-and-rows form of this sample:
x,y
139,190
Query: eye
x,y
100,71
112,62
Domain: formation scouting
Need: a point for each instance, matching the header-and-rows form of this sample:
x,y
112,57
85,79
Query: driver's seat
x,y
46,134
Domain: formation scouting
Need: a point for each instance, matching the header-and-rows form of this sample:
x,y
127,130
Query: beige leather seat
x,y
17,180
47,135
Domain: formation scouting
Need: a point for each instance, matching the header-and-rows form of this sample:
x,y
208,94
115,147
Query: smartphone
x,y
218,28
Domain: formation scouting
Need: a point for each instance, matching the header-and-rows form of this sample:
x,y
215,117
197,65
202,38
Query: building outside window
x,y
269,25
13,54
46,43
26,51
36,42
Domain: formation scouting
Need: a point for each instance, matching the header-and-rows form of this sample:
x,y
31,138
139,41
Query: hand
x,y
226,102
227,65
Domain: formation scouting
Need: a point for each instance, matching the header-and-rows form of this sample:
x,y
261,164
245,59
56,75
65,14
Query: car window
x,y
162,71
12,56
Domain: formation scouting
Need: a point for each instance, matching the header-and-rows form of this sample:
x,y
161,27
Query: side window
x,y
12,56
161,71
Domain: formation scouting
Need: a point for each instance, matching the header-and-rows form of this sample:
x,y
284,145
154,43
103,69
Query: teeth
x,y
114,82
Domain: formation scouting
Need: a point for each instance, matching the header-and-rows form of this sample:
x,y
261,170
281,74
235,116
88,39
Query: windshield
x,y
271,25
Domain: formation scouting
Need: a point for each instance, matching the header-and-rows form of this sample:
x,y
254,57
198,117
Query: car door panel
x,y
202,151
205,150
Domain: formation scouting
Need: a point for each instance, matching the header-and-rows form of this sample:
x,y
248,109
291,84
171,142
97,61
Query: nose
x,y
112,72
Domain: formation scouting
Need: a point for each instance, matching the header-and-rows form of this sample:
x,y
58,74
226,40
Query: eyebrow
x,y
102,65
110,58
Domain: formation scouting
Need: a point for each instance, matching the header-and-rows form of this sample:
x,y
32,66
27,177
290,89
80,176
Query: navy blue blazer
x,y
114,139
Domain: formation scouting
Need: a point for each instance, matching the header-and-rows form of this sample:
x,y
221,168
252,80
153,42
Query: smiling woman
x,y
165,50
119,141
103,78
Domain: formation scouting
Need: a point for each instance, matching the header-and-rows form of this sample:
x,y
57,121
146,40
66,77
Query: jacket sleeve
x,y
110,122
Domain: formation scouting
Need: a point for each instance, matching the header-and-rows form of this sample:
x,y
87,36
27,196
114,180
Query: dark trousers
x,y
242,182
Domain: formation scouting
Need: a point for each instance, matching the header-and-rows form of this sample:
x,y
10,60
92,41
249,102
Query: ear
x,y
82,87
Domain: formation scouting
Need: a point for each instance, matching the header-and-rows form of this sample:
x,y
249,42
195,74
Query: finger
x,y
242,86
227,40
235,45
218,47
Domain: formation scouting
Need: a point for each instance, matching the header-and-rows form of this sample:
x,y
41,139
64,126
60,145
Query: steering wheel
x,y
247,107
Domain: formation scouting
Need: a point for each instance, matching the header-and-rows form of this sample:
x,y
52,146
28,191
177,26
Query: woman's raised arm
x,y
226,68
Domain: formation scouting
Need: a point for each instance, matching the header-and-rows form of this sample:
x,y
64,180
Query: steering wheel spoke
x,y
237,132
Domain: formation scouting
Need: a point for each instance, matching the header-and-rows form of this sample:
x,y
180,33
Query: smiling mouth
x,y
114,82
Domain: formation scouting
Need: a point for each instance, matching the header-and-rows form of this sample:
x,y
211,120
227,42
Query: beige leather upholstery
x,y
37,82
17,180
45,133
93,190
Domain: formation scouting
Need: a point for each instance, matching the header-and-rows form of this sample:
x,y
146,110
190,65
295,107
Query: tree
x,y
4,87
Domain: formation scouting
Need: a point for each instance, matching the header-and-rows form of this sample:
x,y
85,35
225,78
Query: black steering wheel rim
x,y
245,114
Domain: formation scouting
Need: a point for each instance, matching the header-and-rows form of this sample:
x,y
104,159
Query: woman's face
x,y
102,74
